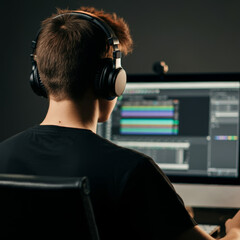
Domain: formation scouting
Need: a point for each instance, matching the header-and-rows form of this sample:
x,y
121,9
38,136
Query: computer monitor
x,y
188,124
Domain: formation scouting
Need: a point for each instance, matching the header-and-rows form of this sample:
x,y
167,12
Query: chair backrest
x,y
34,207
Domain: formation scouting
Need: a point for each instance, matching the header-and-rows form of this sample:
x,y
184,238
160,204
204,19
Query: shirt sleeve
x,y
152,208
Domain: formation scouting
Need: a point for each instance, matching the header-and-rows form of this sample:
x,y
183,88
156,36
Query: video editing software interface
x,y
188,128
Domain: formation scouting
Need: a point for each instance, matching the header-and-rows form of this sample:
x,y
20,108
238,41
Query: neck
x,y
74,114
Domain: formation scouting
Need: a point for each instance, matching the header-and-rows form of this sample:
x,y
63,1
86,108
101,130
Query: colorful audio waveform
x,y
228,138
147,111
148,120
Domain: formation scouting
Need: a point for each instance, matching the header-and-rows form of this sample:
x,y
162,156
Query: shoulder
x,y
18,136
11,140
124,154
126,161
138,167
14,142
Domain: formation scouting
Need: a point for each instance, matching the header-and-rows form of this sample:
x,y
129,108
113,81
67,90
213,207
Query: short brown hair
x,y
69,48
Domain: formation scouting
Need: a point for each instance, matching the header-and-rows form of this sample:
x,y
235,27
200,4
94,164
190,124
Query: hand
x,y
233,223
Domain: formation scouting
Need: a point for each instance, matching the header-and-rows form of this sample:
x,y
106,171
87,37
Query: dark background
x,y
190,35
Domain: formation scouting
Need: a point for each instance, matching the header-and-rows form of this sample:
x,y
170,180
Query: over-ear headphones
x,y
110,79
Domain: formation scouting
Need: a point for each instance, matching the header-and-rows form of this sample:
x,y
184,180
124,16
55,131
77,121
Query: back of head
x,y
69,50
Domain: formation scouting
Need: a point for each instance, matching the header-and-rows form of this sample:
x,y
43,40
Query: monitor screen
x,y
188,124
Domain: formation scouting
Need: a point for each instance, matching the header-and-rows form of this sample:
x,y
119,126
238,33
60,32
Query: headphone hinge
x,y
117,54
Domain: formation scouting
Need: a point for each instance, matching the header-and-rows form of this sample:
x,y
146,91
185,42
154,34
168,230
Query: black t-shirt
x,y
132,198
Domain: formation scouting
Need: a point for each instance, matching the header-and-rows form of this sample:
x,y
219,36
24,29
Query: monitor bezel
x,y
193,77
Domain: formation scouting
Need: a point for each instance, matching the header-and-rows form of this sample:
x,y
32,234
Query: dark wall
x,y
191,36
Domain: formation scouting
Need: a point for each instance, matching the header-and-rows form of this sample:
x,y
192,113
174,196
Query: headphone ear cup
x,y
119,80
102,86
36,83
109,82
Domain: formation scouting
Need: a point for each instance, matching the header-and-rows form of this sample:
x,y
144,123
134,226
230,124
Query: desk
x,y
216,216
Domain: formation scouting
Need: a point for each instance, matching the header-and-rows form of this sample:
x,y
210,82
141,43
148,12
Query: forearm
x,y
197,233
232,229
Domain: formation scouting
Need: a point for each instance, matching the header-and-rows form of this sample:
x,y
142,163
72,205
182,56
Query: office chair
x,y
34,207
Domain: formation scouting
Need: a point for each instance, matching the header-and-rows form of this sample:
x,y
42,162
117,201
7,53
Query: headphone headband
x,y
111,37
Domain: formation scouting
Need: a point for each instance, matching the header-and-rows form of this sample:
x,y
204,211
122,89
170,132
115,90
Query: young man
x,y
131,196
